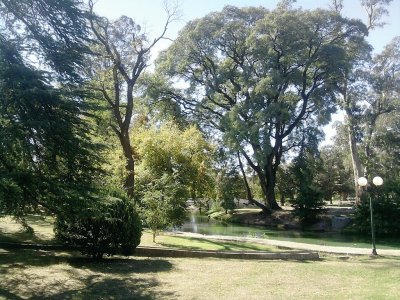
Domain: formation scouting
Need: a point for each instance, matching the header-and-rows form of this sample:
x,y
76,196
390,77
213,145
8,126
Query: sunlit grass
x,y
12,231
192,243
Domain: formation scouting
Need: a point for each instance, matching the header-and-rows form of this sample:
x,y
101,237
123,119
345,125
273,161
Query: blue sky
x,y
151,15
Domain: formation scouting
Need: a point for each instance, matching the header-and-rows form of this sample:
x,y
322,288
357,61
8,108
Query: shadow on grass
x,y
45,275
24,237
112,289
222,245
8,295
122,266
34,258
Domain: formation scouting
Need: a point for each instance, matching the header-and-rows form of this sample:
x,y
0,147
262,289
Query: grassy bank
x,y
11,231
38,274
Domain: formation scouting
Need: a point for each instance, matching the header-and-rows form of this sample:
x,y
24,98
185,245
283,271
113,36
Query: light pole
x,y
362,181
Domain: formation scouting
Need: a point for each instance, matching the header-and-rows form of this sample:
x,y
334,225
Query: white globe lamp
x,y
377,181
362,181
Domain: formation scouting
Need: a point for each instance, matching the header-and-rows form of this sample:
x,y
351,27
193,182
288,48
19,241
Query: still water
x,y
202,224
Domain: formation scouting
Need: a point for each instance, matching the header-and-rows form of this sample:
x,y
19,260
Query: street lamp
x,y
362,181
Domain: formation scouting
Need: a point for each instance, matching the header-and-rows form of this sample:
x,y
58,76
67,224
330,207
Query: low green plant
x,y
164,204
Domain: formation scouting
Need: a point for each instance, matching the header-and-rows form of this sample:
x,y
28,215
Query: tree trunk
x,y
129,183
282,200
267,183
248,190
355,158
270,186
268,191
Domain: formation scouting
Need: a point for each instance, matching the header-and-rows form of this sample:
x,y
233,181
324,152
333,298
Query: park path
x,y
294,245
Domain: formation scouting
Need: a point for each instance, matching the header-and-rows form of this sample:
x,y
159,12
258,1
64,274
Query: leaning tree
x,y
260,78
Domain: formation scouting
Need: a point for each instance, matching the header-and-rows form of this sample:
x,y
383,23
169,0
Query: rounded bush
x,y
111,226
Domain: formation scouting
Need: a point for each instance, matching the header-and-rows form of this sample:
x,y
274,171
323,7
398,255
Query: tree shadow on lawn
x,y
24,237
44,275
8,295
113,289
380,261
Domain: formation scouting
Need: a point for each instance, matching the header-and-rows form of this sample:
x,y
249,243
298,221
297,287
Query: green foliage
x,y
335,176
260,78
229,187
386,208
284,184
164,203
183,154
53,31
309,196
103,229
47,159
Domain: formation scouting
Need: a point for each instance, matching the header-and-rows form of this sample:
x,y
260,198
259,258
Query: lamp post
x,y
377,181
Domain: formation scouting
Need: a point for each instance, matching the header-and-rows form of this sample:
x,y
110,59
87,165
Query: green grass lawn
x,y
54,275
38,274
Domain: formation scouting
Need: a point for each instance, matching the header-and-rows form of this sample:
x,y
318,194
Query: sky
x,y
151,15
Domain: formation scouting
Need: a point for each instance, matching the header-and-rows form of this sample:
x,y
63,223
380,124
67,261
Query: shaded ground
x,y
29,274
51,275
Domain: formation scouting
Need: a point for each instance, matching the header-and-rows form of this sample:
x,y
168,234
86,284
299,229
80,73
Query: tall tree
x,y
47,159
350,88
383,98
260,77
188,159
122,51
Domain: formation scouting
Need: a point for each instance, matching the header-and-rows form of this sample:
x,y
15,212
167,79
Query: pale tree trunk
x,y
356,162
355,157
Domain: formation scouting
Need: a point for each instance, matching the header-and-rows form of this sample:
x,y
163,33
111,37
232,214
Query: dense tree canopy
x,y
46,156
55,32
183,154
258,83
260,77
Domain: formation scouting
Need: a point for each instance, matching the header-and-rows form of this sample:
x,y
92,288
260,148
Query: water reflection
x,y
204,225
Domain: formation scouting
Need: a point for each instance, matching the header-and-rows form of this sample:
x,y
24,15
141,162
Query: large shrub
x,y
308,202
113,225
386,208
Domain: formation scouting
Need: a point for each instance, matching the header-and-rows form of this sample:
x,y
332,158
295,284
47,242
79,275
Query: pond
x,y
204,225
